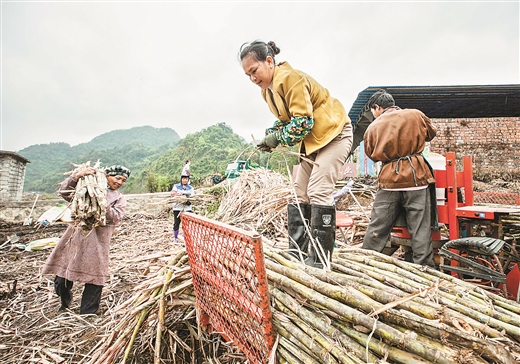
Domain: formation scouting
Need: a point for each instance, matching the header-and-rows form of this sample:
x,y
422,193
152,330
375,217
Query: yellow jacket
x,y
295,94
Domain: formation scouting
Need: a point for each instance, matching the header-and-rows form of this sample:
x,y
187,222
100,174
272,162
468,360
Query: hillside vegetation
x,y
134,148
154,155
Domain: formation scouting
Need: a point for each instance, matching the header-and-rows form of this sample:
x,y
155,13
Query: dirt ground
x,y
32,329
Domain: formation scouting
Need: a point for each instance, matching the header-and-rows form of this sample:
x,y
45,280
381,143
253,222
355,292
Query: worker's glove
x,y
188,203
269,142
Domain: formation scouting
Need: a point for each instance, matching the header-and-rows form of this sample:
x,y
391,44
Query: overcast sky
x,y
74,70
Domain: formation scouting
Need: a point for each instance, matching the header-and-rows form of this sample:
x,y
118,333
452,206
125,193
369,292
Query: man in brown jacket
x,y
397,138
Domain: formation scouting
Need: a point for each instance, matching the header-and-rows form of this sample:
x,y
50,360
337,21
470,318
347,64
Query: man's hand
x,y
268,143
175,193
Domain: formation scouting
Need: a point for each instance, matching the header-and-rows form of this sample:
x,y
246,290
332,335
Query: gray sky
x,y
74,70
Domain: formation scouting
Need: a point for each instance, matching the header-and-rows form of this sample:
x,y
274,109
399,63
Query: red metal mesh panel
x,y
499,198
230,282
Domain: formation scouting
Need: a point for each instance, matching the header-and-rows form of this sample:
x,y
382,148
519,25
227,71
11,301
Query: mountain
x,y
133,148
154,156
209,151
147,136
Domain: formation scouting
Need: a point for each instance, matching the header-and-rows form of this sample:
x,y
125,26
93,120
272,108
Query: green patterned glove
x,y
269,142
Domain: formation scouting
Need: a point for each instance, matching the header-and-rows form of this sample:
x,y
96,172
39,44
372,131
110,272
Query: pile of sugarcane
x,y
370,308
374,308
257,201
89,204
159,324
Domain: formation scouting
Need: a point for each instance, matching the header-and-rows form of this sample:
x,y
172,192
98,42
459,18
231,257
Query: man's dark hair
x,y
381,98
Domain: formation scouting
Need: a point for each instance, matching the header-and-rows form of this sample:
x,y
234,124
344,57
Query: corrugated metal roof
x,y
441,102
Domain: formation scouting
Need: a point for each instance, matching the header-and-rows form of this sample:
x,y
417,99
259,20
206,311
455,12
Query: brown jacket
x,y
396,138
296,94
84,257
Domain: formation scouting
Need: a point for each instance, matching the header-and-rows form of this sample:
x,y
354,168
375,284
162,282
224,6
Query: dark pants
x,y
90,299
386,208
176,220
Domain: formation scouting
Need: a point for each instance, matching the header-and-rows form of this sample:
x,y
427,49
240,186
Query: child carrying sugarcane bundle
x,y
82,254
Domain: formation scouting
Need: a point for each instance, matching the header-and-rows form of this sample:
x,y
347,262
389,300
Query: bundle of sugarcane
x,y
89,204
374,308
136,310
194,199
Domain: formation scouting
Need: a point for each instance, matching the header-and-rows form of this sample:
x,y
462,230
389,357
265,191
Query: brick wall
x,y
494,144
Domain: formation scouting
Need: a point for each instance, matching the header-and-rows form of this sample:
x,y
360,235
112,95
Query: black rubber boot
x,y
323,227
298,237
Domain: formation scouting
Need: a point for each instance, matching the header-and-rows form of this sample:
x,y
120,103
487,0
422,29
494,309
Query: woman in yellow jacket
x,y
306,115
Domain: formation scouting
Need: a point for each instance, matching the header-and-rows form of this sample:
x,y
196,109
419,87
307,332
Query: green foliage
x,y
134,148
209,151
155,157
145,135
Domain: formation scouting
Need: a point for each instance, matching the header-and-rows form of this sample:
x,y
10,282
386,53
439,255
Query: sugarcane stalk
x,y
446,333
311,338
476,359
88,206
114,349
146,307
300,355
287,357
160,323
483,314
349,314
299,340
142,317
321,323
428,273
345,294
350,298
461,287
417,305
428,309
394,354
281,359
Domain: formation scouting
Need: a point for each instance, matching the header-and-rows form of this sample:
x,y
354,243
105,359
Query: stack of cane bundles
x,y
89,204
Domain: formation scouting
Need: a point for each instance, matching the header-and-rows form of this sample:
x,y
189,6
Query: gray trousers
x,y
387,207
314,184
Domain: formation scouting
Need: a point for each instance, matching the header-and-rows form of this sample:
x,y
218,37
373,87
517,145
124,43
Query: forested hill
x,y
209,151
134,148
155,157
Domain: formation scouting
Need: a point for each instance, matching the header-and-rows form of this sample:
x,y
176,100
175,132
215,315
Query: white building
x,y
12,174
